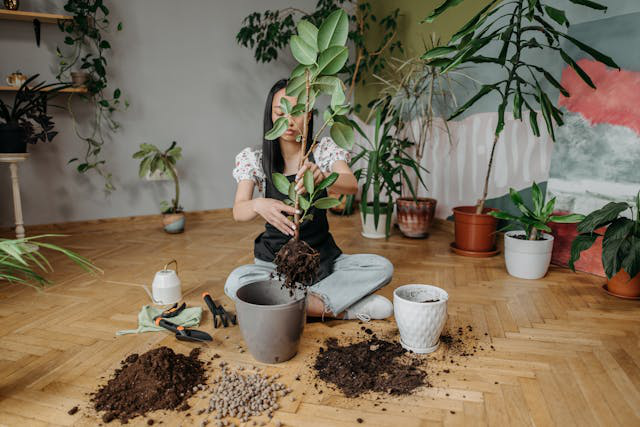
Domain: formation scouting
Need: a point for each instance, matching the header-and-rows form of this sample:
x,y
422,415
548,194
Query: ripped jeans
x,y
353,278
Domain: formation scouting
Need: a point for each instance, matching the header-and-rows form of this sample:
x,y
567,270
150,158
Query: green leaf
x,y
438,51
631,263
307,217
554,82
326,203
297,109
292,190
597,55
328,181
441,9
105,45
119,27
334,30
279,127
285,106
557,15
566,219
342,135
504,215
281,183
516,198
337,97
483,91
589,3
473,23
308,32
304,202
602,217
533,121
332,60
537,197
299,70
308,181
583,75
303,52
610,259
327,84
116,94
500,124
581,243
144,166
517,104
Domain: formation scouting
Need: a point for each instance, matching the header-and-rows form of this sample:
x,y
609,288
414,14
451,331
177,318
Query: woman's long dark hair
x,y
272,160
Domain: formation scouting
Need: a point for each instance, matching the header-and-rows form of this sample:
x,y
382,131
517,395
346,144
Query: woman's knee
x,y
380,264
238,278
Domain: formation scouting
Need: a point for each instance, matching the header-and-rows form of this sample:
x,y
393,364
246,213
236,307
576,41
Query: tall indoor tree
x,y
515,27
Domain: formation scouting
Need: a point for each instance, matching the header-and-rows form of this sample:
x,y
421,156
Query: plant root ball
x,y
297,264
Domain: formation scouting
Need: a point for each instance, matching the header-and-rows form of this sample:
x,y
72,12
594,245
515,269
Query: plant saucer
x,y
473,254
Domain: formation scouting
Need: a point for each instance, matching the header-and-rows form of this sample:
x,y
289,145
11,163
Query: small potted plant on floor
x,y
527,252
620,246
164,162
386,157
25,121
513,27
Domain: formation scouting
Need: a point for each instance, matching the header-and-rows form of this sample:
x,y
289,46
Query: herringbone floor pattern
x,y
565,352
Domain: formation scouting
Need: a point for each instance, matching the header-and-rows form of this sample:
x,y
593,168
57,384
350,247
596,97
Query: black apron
x,y
315,232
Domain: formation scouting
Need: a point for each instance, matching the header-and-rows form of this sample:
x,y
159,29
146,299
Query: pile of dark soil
x,y
374,365
297,264
157,379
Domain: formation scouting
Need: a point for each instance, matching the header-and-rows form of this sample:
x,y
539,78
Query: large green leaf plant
x,y
321,54
620,242
515,27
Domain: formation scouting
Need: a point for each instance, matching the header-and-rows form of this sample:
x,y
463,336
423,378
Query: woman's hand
x,y
272,211
318,176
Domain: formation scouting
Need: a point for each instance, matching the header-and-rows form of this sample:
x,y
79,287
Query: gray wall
x,y
186,78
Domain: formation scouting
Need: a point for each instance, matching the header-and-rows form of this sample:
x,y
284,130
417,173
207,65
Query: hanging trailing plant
x,y
85,49
267,33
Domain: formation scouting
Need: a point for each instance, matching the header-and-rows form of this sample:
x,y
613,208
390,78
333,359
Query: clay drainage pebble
x,y
244,395
157,379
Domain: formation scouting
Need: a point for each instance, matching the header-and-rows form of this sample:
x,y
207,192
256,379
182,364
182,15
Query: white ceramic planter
x,y
420,323
369,229
527,259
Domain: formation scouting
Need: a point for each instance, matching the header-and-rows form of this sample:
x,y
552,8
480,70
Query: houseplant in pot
x,y
514,28
153,159
527,252
620,246
385,157
25,121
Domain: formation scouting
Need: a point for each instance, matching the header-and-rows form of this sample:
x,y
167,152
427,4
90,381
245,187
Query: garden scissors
x,y
182,333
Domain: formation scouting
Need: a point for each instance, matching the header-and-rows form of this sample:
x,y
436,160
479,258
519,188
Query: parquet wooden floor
x,y
564,353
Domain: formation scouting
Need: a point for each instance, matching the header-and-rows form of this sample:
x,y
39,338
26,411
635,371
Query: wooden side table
x,y
13,159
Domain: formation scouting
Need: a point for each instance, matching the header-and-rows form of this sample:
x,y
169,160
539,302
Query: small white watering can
x,y
166,286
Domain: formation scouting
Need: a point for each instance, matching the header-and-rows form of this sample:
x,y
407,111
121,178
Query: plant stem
x,y
505,96
533,234
303,146
174,174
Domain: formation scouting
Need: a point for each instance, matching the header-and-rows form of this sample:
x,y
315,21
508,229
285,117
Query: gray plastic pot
x,y
270,320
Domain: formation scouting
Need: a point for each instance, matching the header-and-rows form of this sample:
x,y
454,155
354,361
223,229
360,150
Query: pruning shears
x,y
182,333
218,311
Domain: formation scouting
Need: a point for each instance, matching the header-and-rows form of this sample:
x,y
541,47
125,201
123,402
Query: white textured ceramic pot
x,y
369,229
527,259
420,312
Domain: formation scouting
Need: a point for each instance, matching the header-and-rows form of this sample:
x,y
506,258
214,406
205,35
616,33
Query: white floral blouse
x,y
249,161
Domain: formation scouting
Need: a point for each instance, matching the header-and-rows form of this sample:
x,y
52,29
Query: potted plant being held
x,y
513,26
153,160
620,246
386,158
527,252
25,121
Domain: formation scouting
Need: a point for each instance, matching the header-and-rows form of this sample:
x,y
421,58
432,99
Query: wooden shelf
x,y
67,90
19,15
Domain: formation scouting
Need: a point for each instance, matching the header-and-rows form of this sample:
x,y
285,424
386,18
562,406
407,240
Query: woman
x,y
345,281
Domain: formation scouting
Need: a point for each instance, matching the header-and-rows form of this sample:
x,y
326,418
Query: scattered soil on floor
x,y
460,341
373,365
73,410
297,264
157,379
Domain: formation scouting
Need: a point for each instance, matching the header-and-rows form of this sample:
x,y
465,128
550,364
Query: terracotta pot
x,y
475,232
415,219
620,285
173,222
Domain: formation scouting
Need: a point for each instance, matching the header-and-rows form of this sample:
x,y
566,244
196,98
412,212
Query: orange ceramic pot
x,y
475,232
621,285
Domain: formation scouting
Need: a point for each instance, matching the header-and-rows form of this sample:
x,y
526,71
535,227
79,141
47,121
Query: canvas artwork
x,y
596,158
